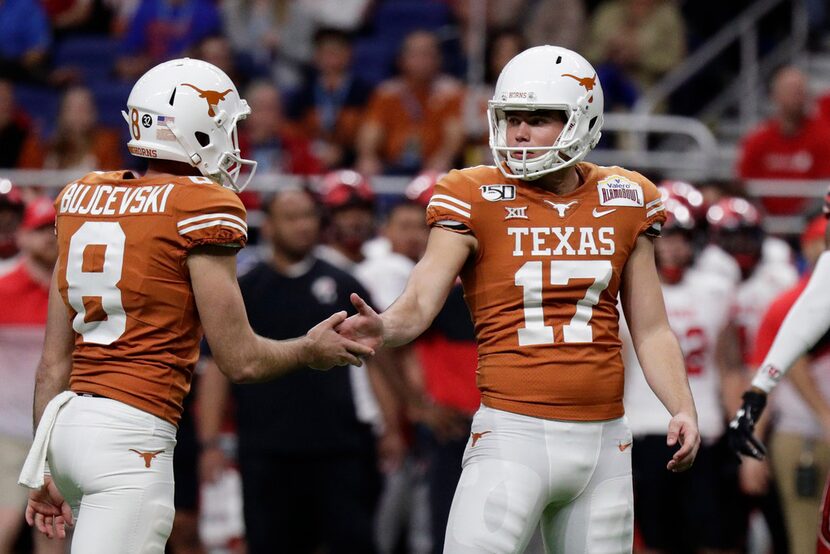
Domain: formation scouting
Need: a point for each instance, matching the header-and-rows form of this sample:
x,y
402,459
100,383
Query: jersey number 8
x,y
86,286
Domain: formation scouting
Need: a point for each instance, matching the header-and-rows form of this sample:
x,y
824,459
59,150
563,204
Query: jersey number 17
x,y
530,278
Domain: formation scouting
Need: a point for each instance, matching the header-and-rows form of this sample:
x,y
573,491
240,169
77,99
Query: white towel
x,y
32,473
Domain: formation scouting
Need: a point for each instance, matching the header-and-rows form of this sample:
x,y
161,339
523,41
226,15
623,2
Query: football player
x,y
145,263
543,243
349,203
736,230
698,309
807,321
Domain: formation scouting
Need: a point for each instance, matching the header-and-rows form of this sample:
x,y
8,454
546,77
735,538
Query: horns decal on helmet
x,y
587,82
213,97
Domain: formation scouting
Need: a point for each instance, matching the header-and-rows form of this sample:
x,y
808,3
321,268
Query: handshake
x,y
342,340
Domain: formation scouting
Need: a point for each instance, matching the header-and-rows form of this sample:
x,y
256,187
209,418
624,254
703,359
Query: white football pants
x,y
114,465
572,477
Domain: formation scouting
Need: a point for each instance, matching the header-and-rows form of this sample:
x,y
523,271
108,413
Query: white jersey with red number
x,y
698,309
776,258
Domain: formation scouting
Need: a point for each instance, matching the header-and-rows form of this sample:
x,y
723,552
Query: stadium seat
x,y
398,18
40,104
111,98
93,55
373,58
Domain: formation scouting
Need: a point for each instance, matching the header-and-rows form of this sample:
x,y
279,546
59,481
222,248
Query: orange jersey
x,y
122,273
543,287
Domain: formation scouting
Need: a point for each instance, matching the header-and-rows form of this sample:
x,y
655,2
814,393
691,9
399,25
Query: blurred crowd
x,y
387,87
366,459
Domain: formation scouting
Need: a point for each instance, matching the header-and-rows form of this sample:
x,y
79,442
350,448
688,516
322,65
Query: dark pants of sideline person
x,y
296,504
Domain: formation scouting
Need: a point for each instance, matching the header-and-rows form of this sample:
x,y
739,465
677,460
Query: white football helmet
x,y
546,78
186,110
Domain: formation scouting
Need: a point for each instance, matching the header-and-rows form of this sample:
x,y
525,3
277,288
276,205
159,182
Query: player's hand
x,y
683,430
48,511
742,428
327,348
365,327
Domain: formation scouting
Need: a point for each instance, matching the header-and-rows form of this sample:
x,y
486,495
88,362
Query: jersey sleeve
x,y
210,214
450,206
655,214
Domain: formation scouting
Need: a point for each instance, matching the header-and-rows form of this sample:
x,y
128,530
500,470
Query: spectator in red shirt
x,y
793,144
68,15
24,293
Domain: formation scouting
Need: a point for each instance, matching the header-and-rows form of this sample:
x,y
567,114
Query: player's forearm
x,y
405,320
806,322
265,359
413,312
55,364
50,380
427,289
211,400
729,361
665,372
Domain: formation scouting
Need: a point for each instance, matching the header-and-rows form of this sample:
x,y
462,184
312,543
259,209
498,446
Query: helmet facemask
x,y
230,163
570,147
217,154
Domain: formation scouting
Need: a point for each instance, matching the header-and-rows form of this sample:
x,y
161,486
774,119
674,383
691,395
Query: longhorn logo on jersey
x,y
477,436
498,193
561,209
213,97
148,456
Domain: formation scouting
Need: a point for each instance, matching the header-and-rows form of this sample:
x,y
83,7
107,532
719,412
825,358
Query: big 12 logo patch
x,y
498,193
